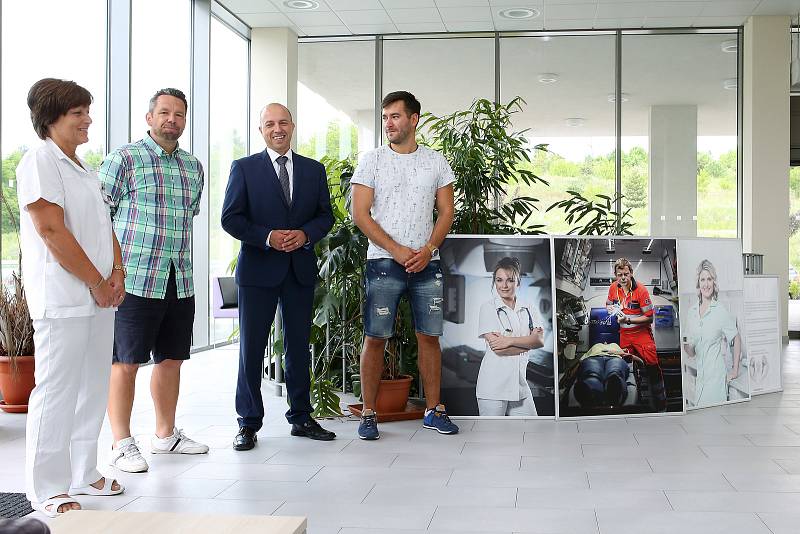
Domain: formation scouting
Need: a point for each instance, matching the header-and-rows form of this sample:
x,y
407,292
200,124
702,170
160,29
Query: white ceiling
x,y
357,17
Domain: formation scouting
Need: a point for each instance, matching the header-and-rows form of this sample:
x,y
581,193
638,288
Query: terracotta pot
x,y
16,387
393,395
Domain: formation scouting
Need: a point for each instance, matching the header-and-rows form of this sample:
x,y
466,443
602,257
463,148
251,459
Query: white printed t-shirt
x,y
405,187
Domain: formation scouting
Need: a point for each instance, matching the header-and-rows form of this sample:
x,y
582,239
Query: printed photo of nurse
x,y
711,285
497,346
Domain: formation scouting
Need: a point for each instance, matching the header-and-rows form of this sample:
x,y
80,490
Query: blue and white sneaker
x,y
436,419
368,428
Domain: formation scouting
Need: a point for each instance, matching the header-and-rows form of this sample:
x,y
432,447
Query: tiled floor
x,y
731,470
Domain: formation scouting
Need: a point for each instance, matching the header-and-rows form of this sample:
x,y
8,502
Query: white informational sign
x,y
763,334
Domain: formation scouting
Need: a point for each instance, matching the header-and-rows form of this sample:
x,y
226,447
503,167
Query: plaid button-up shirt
x,y
154,196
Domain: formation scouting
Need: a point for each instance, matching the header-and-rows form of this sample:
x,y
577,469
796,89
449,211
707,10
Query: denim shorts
x,y
386,281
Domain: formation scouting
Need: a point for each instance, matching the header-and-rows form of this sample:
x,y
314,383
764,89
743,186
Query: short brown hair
x,y
50,98
169,91
621,264
410,102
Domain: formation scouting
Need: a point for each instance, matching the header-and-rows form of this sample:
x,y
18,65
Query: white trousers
x,y
66,408
491,407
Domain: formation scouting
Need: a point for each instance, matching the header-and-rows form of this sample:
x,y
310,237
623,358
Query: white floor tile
x,y
447,496
517,479
591,499
202,506
659,481
538,464
764,482
458,461
284,473
781,522
296,491
324,514
479,519
382,475
727,501
612,522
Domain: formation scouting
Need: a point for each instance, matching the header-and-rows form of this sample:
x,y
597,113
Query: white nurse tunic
x,y
504,377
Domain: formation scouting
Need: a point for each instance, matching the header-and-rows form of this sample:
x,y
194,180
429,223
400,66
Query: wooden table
x,y
101,522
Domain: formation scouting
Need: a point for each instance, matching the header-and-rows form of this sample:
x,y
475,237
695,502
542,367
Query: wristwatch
x,y
432,248
121,268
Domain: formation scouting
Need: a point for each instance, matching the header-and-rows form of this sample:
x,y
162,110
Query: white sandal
x,y
54,503
106,490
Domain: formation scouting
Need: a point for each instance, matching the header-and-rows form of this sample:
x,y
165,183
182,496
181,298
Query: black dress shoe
x,y
311,429
245,439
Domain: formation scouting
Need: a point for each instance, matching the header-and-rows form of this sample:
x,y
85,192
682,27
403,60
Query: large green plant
x,y
594,217
487,157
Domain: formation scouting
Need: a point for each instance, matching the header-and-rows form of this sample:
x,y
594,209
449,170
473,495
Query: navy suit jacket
x,y
254,205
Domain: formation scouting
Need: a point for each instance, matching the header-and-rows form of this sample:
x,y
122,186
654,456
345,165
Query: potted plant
x,y
16,348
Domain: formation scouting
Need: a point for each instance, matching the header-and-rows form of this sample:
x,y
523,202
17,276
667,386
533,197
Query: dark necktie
x,y
283,178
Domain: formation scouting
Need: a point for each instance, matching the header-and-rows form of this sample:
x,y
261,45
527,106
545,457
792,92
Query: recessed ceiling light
x,y
730,84
301,4
575,122
548,77
519,13
730,47
613,97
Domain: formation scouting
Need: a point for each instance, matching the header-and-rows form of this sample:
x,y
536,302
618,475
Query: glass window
x,y
679,132
335,98
34,46
434,71
228,134
566,82
161,56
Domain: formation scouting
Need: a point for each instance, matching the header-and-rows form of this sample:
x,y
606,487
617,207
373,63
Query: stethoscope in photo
x,y
509,329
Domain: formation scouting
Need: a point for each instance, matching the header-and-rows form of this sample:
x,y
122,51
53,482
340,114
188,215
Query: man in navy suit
x,y
278,205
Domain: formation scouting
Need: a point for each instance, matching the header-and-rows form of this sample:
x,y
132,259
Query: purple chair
x,y
225,297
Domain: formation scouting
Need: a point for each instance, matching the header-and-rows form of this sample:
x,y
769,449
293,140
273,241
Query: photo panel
x,y
711,287
618,334
497,345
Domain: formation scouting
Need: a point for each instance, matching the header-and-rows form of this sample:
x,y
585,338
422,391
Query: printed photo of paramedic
x,y
497,346
618,337
712,314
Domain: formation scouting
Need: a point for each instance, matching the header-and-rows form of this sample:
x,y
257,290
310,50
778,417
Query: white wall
x,y
273,75
765,137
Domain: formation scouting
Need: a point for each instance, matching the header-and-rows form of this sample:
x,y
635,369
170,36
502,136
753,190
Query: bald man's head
x,y
277,127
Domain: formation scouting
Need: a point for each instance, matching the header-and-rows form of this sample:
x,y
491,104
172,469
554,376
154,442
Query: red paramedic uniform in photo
x,y
638,337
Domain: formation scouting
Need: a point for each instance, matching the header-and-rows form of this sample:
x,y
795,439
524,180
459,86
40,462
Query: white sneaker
x,y
177,443
126,457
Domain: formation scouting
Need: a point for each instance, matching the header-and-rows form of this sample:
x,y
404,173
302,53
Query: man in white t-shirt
x,y
395,190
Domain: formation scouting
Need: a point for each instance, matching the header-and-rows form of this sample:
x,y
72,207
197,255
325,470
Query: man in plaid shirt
x,y
154,189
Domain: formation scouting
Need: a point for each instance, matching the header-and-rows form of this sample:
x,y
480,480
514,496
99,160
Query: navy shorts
x,y
386,281
158,327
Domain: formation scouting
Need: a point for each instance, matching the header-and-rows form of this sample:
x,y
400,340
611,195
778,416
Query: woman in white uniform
x,y
73,276
712,328
511,329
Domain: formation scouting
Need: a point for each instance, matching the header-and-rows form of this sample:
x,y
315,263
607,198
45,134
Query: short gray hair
x,y
169,91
